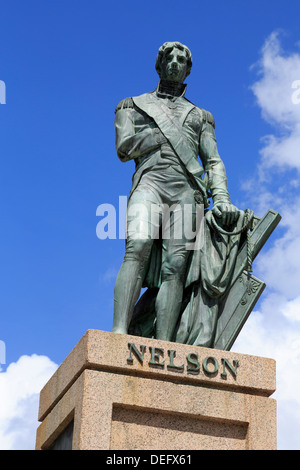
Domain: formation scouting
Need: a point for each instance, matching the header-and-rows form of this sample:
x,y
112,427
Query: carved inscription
x,y
192,363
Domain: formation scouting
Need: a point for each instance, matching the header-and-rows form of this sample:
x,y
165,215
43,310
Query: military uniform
x,y
165,135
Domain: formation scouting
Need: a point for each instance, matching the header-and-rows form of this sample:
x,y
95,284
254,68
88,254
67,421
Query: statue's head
x,y
173,62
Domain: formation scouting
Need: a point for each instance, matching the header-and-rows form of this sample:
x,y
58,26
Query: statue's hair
x,y
167,47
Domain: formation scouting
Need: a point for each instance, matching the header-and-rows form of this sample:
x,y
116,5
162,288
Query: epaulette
x,y
207,116
126,103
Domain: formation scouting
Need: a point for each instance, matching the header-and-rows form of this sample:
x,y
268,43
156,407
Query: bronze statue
x,y
165,134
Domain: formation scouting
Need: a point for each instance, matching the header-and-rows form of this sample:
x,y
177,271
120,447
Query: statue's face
x,y
174,66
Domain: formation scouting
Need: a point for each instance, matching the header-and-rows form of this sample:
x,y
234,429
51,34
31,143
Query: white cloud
x,y
274,330
268,333
277,71
292,311
20,386
274,92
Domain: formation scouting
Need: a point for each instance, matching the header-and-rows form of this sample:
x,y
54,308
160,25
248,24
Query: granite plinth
x,y
127,392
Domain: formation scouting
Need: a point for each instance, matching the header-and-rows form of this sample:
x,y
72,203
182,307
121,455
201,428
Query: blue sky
x,y
66,64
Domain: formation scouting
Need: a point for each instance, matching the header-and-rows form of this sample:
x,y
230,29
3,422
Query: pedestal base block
x,y
121,392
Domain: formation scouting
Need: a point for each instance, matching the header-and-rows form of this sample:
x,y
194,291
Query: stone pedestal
x,y
121,392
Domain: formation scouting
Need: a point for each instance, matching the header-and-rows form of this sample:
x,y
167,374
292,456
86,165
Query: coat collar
x,y
170,90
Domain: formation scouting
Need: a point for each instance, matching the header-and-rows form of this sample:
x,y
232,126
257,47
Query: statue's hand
x,y
227,212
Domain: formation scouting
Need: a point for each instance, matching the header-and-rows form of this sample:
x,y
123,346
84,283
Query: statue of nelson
x,y
165,134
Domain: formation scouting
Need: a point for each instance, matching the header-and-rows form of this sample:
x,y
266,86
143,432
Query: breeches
x,y
151,215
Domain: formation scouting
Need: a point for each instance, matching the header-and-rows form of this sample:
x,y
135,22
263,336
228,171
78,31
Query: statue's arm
x,y
129,143
216,173
212,164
